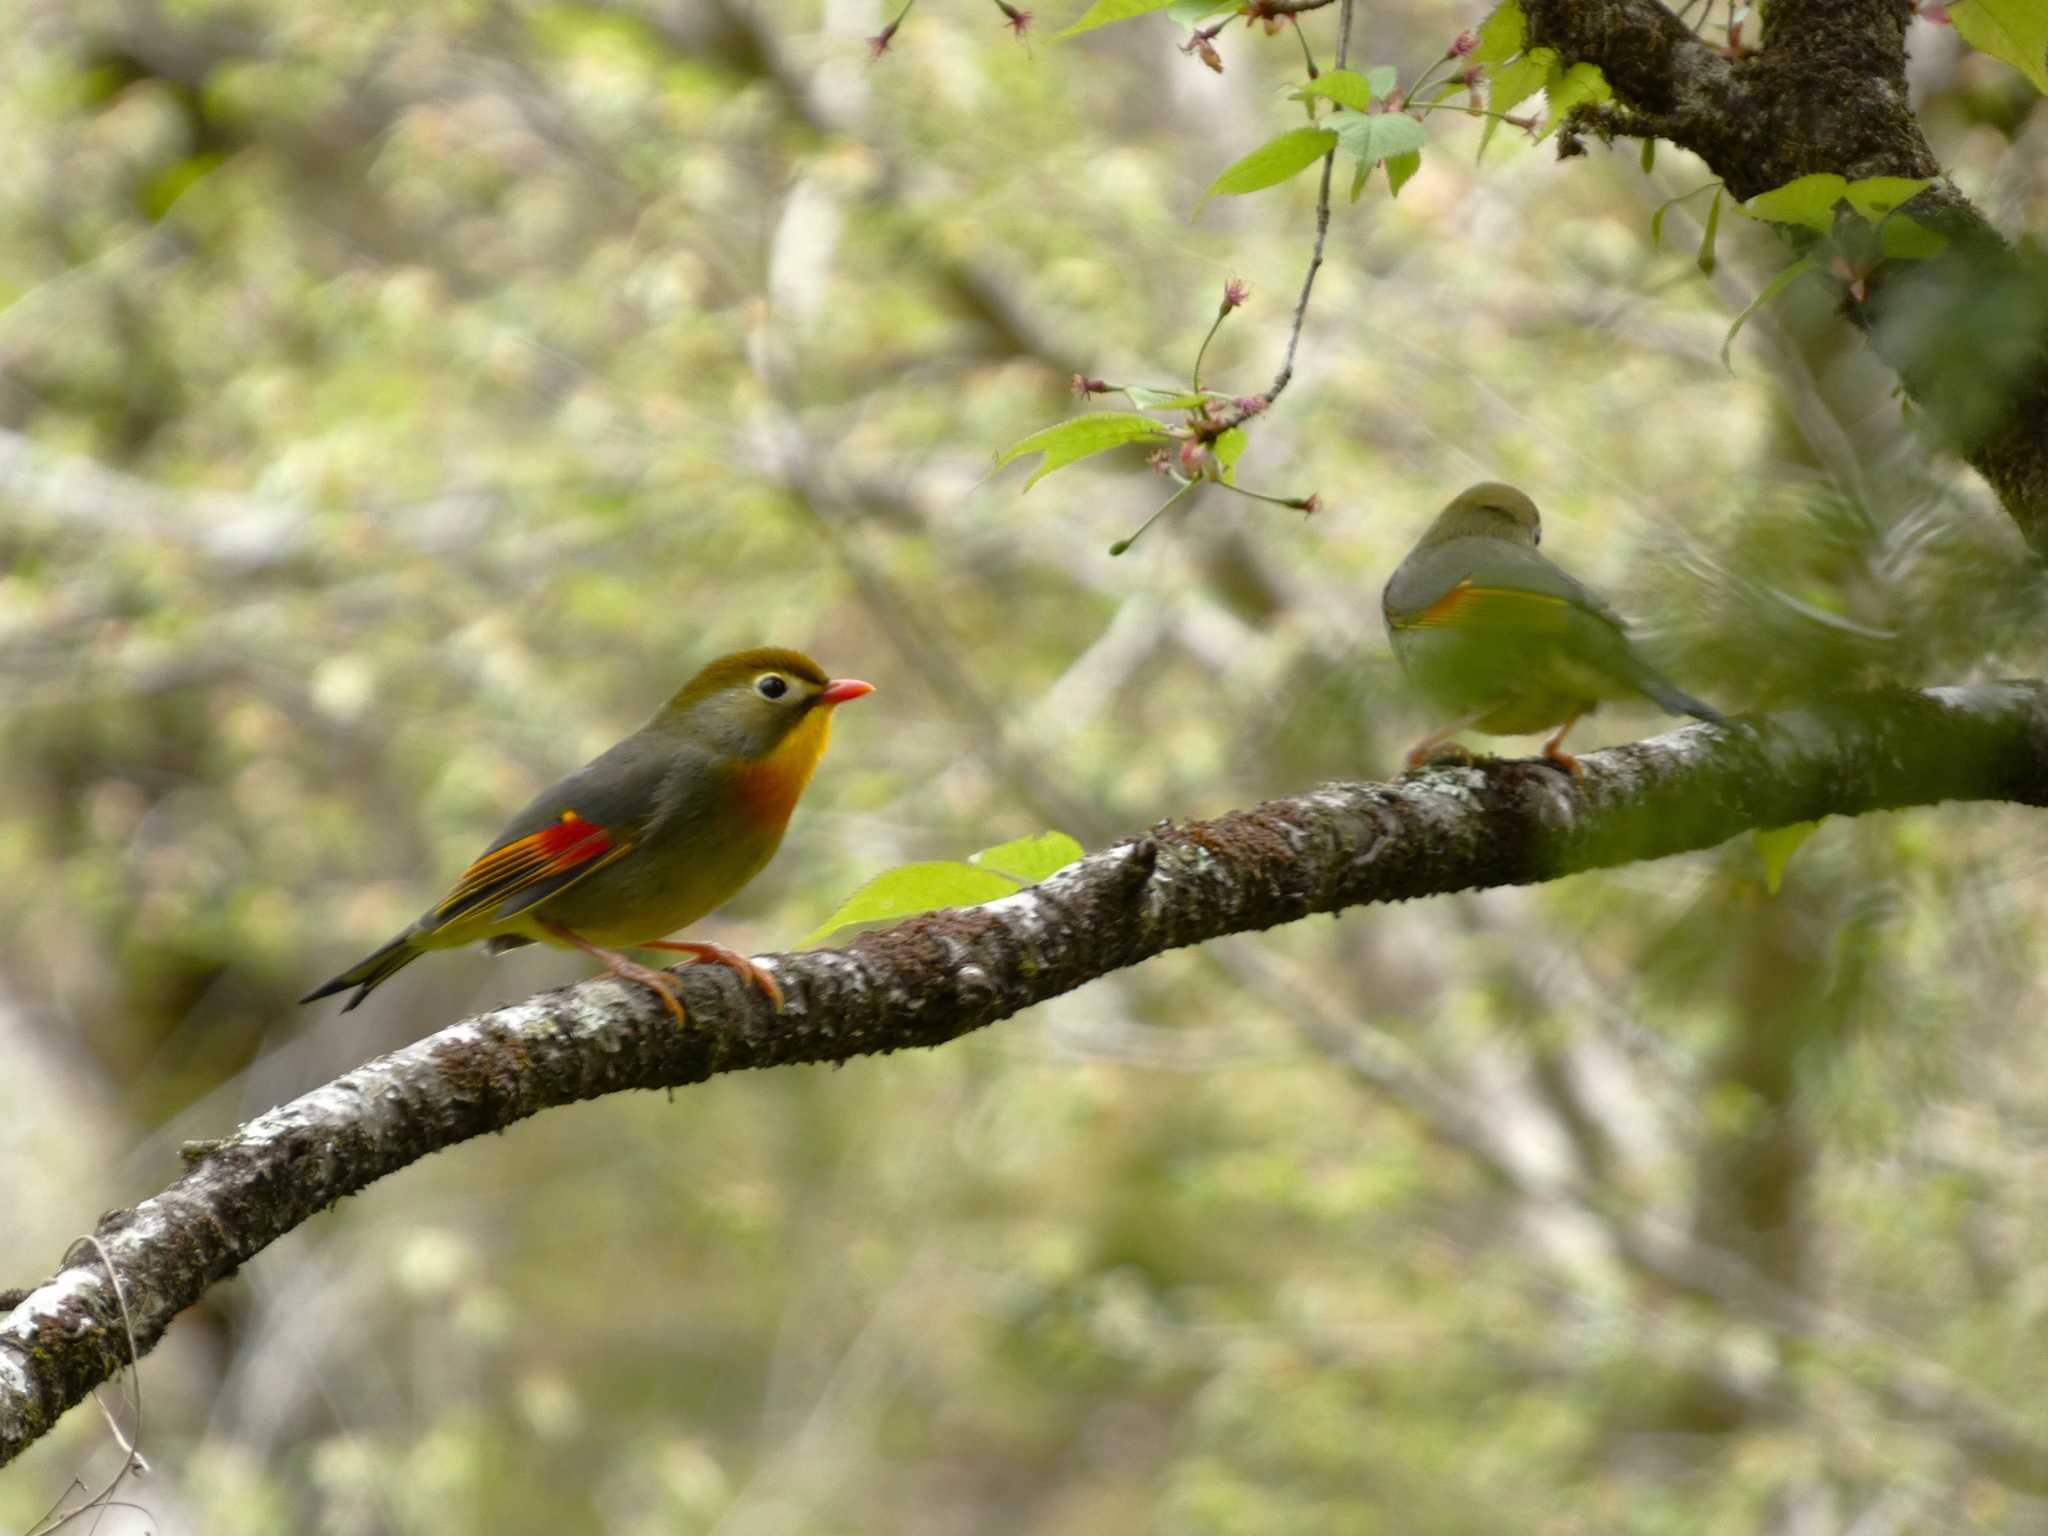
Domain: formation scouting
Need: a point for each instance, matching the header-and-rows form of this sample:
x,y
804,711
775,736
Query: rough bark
x,y
1967,331
940,976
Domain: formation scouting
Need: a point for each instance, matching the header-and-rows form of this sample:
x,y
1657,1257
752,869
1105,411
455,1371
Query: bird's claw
x,y
732,960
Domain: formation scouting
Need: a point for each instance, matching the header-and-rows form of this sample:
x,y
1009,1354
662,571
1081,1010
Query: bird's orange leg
x,y
1554,750
731,959
1426,748
618,965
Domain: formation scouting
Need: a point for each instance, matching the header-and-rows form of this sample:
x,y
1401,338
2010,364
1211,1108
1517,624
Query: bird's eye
x,y
771,685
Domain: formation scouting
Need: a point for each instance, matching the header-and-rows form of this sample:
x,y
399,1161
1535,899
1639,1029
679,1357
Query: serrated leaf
x,y
1359,174
1103,12
1876,196
1808,202
1705,260
1904,238
1776,846
1772,289
1501,35
1346,87
913,888
1031,859
1517,82
1381,78
1273,162
1513,85
1580,86
1080,438
1370,137
1649,156
1228,449
2013,30
1400,168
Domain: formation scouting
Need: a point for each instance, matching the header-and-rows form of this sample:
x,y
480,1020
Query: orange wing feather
x,y
1469,604
572,847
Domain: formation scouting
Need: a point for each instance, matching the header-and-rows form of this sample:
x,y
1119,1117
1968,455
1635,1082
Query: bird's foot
x,y
731,959
1441,752
1558,757
618,965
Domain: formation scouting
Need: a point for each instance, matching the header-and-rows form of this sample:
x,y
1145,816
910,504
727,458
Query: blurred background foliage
x,y
396,401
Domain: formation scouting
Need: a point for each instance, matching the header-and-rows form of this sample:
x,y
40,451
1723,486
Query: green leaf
x,y
1166,399
1517,82
1649,156
1229,448
1273,162
1808,202
1381,78
1513,85
1359,174
1370,137
1776,286
1580,86
1103,12
1705,260
2013,30
1081,438
1776,847
912,888
1904,238
1031,859
1501,35
1192,13
1400,168
1346,87
1876,196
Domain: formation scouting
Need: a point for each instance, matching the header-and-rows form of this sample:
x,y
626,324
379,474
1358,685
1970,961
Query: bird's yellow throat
x,y
769,787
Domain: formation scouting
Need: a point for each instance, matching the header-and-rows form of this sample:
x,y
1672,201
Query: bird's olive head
x,y
747,703
1489,510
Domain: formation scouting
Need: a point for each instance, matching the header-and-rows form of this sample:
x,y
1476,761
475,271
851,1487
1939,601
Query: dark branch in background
x,y
1966,331
937,977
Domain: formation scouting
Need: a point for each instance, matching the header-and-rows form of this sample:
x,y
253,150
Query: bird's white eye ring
x,y
771,685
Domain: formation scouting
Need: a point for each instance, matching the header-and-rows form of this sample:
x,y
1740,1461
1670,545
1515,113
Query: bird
x,y
647,837
1498,635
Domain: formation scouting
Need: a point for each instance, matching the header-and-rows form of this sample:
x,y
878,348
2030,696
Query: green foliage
x,y
1777,285
1564,89
1705,259
1273,162
1370,137
1081,437
1348,88
2013,30
986,876
1400,168
1103,12
1501,36
1775,847
1810,201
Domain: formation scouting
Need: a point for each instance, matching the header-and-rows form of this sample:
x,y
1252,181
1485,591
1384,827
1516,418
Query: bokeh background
x,y
397,401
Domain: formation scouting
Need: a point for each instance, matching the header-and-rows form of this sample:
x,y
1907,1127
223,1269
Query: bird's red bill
x,y
842,690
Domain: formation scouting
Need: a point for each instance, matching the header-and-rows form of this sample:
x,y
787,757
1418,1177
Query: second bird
x,y
1493,632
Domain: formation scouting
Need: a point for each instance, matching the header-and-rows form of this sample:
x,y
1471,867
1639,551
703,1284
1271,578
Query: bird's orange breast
x,y
767,789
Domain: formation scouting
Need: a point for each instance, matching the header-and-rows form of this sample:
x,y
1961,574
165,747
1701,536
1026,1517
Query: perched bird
x,y
648,837
1494,633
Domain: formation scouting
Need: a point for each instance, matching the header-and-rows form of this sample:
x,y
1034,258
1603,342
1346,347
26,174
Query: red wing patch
x,y
570,845
1469,604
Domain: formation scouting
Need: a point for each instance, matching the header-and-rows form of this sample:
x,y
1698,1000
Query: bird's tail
x,y
1668,696
367,974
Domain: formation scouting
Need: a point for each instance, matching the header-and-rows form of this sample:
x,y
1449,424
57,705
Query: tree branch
x,y
940,976
1966,331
